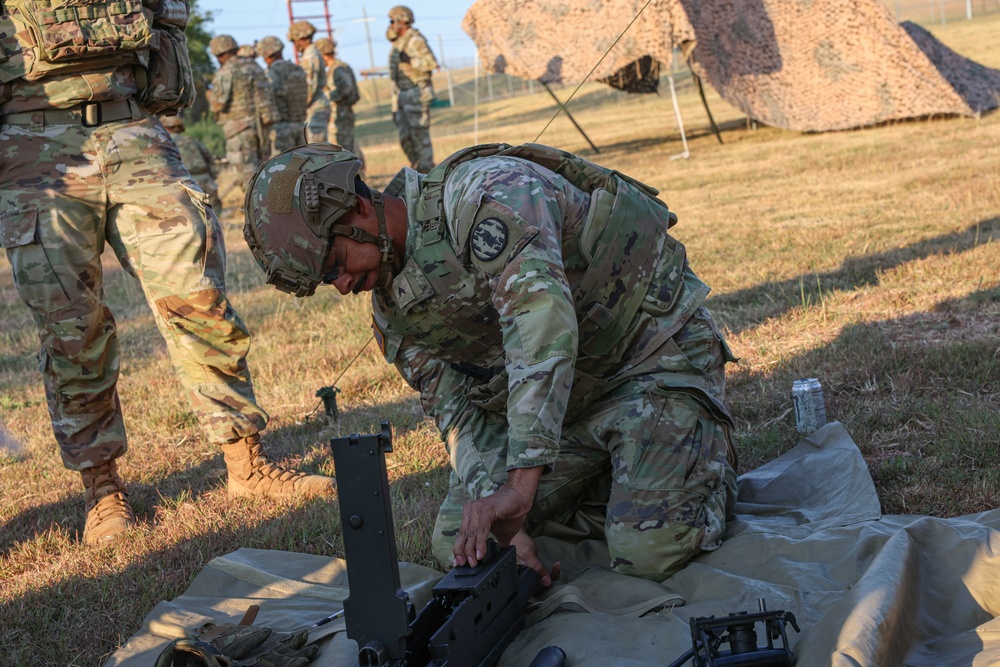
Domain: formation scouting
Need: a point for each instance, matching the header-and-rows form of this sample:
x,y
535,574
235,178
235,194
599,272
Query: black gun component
x,y
475,612
740,632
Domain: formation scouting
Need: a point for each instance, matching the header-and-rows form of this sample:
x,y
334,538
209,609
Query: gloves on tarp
x,y
239,645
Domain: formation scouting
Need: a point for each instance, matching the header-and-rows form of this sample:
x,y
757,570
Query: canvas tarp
x,y
807,537
813,65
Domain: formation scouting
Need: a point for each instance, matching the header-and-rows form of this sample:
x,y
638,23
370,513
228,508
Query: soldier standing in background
x,y
411,64
291,90
247,52
342,88
318,109
197,158
84,165
243,104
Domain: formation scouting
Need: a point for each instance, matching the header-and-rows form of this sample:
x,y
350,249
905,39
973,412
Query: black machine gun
x,y
475,612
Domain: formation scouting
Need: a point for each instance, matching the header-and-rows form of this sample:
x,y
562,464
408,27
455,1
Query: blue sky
x,y
440,21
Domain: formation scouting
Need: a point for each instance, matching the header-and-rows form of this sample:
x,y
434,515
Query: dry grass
x,y
867,259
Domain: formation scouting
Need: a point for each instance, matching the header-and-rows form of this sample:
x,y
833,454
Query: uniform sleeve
x,y
421,56
516,238
315,74
222,91
342,85
476,458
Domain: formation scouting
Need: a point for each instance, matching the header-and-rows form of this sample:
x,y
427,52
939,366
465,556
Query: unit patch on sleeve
x,y
489,238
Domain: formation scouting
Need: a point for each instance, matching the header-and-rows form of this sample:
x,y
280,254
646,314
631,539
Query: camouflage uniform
x,y
196,157
84,165
527,351
318,113
411,64
243,103
291,90
343,91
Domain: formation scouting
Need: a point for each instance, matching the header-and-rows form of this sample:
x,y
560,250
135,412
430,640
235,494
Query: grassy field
x,y
868,259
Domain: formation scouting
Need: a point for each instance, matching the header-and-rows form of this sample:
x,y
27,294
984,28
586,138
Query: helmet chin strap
x,y
384,242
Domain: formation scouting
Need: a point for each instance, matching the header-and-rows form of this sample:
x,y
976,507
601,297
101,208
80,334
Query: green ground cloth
x,y
808,537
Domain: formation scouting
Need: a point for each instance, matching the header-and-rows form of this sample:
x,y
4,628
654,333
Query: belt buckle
x,y
91,114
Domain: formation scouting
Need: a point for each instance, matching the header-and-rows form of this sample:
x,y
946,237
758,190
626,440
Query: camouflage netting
x,y
808,65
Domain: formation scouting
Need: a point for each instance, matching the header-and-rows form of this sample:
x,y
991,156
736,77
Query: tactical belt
x,y
88,114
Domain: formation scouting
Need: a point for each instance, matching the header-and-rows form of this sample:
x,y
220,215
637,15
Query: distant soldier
x,y
410,66
246,51
342,88
243,103
318,110
196,157
291,90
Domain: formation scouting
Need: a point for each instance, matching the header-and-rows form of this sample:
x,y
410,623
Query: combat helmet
x,y
301,29
293,203
402,13
222,44
173,123
268,46
326,46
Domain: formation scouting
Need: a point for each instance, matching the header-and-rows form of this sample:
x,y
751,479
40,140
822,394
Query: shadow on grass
x,y
96,614
924,414
920,394
747,308
147,498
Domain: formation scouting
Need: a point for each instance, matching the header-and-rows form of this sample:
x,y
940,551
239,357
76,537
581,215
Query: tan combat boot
x,y
108,512
251,474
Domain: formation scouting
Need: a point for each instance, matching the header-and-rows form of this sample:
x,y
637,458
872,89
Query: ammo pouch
x,y
169,82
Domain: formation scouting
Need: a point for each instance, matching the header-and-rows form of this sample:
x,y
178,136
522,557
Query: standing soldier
x,y
243,103
84,165
196,157
318,112
410,66
342,88
291,89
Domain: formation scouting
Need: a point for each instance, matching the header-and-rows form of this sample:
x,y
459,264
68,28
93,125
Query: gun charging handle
x,y
550,656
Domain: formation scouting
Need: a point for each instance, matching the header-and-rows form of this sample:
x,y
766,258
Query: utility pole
x,y
371,53
447,72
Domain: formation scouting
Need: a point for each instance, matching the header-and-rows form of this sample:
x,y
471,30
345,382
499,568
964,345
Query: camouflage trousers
x,y
413,122
342,127
317,119
245,150
285,136
65,191
650,462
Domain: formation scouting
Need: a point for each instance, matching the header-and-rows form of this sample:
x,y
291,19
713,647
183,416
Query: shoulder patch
x,y
489,238
495,234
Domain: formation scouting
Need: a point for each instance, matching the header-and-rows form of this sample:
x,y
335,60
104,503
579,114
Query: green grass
x,y
867,259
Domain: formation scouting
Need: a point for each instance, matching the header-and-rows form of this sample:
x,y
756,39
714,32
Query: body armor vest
x,y
434,297
290,91
404,74
251,100
41,38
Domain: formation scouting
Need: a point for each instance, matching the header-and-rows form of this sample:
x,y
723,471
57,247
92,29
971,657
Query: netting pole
x,y
475,102
570,116
680,123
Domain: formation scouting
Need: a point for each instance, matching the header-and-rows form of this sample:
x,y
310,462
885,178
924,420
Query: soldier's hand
x,y
527,554
501,514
